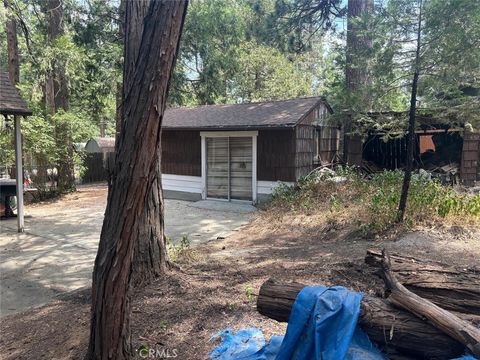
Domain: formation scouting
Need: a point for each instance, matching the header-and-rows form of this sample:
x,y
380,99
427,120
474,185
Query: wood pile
x,y
430,311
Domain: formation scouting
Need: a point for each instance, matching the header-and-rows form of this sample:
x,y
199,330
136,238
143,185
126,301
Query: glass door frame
x,y
212,134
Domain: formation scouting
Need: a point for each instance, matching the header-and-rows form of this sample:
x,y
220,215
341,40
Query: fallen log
x,y
452,288
458,329
395,331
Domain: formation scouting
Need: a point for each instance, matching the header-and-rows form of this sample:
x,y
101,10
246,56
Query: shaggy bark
x,y
356,73
150,257
134,174
119,90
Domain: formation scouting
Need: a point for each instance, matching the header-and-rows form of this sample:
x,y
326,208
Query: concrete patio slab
x,y
229,206
57,251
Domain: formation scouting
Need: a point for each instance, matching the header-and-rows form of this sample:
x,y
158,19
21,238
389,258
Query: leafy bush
x,y
285,193
377,198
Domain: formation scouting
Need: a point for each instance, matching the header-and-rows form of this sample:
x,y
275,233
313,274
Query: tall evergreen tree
x,y
57,98
153,29
357,75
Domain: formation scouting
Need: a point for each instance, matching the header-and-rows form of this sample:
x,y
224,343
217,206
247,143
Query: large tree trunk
x,y
12,46
452,288
57,95
135,172
395,331
402,206
150,256
356,73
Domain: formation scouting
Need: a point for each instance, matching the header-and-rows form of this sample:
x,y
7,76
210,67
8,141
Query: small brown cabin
x,y
242,151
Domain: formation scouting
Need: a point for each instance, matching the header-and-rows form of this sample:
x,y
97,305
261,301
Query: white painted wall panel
x,y
191,184
266,187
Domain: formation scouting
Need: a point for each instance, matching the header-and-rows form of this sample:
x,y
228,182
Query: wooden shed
x,y
100,145
12,105
242,151
99,158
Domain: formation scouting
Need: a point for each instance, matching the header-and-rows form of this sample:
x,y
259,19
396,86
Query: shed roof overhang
x,y
11,103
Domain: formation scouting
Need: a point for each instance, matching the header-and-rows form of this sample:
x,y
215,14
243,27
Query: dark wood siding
x,y
308,146
96,166
316,116
311,116
181,152
328,145
276,155
304,149
470,162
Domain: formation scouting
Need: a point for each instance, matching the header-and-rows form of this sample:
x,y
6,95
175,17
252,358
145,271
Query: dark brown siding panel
x,y
470,164
328,145
310,117
276,155
305,148
181,152
316,116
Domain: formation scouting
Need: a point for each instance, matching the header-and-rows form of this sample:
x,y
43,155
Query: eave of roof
x,y
11,103
233,128
19,112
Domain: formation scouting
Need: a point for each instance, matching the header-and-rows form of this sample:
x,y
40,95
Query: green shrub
x,y
378,197
285,193
176,251
426,199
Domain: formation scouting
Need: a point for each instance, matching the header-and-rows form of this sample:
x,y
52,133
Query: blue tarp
x,y
322,325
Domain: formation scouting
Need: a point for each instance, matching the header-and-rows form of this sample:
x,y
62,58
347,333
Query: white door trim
x,y
228,133
204,167
254,168
206,134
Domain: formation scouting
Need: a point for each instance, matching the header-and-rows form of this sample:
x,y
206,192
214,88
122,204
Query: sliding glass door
x,y
241,168
217,167
229,167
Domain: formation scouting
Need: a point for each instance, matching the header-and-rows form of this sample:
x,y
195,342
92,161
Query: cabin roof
x,y
270,114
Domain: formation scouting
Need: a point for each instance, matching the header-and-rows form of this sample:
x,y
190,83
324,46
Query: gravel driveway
x,y
57,250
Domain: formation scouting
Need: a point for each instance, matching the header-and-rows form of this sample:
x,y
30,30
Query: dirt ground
x,y
216,285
